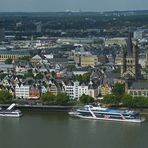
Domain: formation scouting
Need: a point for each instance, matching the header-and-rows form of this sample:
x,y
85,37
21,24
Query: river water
x,y
58,130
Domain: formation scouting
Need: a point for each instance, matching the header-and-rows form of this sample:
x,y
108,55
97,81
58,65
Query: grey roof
x,y
6,66
15,52
111,75
59,60
36,57
139,85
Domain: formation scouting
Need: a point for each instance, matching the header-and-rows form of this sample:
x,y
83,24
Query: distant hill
x,y
71,13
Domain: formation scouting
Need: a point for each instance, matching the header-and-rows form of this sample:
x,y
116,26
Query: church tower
x,y
129,62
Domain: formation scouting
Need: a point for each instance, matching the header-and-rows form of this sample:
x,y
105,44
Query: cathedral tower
x,y
129,67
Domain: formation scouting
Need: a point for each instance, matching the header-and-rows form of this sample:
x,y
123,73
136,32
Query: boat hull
x,y
75,114
10,115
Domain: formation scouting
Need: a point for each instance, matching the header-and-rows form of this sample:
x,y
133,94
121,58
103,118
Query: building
x,y
71,88
138,34
36,59
105,89
7,68
89,60
14,55
77,89
2,32
137,89
38,27
129,62
22,91
27,92
34,92
53,89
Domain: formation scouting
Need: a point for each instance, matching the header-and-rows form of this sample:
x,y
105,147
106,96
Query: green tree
x,y
127,100
85,99
86,77
25,58
8,61
2,75
111,99
82,78
62,99
28,74
118,89
48,97
5,96
39,76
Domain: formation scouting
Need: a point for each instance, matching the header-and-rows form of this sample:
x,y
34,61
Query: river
x,y
58,130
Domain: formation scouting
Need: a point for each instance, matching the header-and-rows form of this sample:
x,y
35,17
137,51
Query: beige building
x,y
14,55
53,89
89,60
137,89
118,60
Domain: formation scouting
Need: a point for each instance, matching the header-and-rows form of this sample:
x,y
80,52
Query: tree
x,y
111,99
85,99
5,96
82,78
62,99
48,97
29,74
8,61
86,77
39,76
127,100
118,89
25,58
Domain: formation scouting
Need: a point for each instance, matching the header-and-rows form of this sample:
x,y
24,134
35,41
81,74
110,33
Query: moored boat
x,y
101,113
10,112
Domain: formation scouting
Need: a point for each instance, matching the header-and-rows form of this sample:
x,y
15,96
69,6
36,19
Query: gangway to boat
x,y
11,106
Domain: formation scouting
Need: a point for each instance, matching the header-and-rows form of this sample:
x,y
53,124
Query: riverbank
x,y
40,107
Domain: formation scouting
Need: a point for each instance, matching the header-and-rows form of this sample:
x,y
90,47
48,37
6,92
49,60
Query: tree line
x,y
118,96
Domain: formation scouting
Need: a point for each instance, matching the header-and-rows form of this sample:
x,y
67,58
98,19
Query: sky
x,y
72,5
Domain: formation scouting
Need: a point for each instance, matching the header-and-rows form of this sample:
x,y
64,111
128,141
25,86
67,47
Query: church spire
x,y
129,45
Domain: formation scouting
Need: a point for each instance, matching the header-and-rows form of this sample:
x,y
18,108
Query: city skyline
x,y
71,5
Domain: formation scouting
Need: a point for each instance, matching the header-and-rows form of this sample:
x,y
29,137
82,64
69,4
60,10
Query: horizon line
x,y
73,11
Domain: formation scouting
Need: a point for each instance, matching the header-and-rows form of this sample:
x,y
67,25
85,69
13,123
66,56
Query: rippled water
x,y
58,130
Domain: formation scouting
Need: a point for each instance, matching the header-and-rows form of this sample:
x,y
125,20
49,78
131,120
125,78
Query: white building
x,y
22,91
83,89
138,34
76,90
71,89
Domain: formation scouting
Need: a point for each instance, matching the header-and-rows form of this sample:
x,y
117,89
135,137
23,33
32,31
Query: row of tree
x,y
5,97
63,99
49,98
82,78
60,98
119,97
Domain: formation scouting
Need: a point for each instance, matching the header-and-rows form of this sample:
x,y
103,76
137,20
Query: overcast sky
x,y
74,5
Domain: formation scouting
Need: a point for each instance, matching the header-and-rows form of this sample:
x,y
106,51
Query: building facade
x,y
75,90
22,91
89,60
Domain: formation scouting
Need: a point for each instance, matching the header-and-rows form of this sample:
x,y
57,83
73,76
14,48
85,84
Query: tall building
x,y
39,27
129,62
2,32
